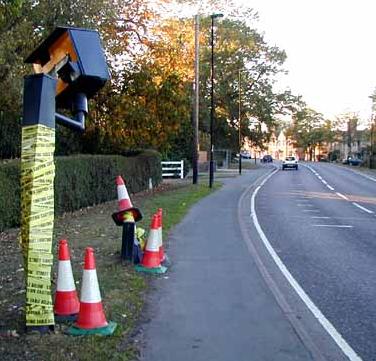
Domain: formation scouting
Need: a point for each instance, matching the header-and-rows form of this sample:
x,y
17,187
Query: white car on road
x,y
290,162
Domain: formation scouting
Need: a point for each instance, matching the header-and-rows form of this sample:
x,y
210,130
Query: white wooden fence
x,y
173,168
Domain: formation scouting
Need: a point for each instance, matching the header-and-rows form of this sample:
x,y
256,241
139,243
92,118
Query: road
x,y
321,222
276,265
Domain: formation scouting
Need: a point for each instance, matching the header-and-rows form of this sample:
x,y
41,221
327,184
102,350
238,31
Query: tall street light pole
x,y
196,106
211,165
239,123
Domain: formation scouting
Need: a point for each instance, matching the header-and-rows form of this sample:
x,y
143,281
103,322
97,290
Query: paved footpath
x,y
213,303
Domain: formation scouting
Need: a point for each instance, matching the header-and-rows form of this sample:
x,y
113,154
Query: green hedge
x,y
81,181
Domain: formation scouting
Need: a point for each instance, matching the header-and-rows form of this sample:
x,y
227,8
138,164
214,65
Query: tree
x,y
307,130
24,24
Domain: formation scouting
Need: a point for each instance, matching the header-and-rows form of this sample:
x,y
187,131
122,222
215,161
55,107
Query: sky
x,y
331,50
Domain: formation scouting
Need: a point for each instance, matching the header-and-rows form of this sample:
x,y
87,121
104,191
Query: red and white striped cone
x,y
151,261
91,317
165,261
66,305
124,204
162,255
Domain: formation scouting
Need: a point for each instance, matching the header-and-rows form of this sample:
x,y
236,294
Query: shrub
x,y
80,181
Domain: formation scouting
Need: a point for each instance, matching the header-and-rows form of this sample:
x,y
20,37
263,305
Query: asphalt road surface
x,y
321,222
276,265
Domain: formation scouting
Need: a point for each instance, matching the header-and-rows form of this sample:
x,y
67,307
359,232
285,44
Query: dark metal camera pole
x,y
211,165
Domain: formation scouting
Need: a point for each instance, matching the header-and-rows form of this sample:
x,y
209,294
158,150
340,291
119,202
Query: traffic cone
x,y
66,305
151,262
162,254
91,318
124,204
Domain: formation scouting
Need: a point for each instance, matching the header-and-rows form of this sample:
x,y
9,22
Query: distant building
x,y
280,146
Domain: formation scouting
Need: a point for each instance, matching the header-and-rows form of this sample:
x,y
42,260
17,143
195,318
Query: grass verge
x,y
122,289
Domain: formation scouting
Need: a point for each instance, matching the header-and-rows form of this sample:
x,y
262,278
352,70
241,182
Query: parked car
x,y
245,155
322,158
355,161
290,162
346,160
267,159
352,160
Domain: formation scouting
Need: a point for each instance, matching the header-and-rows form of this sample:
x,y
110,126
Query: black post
x,y
211,165
239,124
37,216
127,241
196,105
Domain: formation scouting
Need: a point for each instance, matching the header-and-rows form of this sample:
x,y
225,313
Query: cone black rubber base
x,y
66,318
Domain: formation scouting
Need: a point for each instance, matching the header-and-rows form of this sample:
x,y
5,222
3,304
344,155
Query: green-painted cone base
x,y
102,331
156,270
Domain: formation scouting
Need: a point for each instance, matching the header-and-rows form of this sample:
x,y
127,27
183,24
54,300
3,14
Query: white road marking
x,y
330,329
363,175
362,208
310,210
342,196
332,225
320,217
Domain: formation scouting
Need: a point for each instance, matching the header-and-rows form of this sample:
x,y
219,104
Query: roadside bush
x,y
9,194
80,181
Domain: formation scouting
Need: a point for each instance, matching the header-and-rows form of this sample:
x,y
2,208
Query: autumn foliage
x,y
149,101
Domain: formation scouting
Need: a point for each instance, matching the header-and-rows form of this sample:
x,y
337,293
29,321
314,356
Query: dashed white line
x,y
342,196
320,217
362,208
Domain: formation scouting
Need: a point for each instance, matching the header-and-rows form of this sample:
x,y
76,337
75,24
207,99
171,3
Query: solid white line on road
x,y
320,217
332,225
330,187
362,208
342,196
362,175
336,336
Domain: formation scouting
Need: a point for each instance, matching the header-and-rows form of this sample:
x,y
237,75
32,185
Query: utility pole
x,y
239,122
211,164
196,106
372,140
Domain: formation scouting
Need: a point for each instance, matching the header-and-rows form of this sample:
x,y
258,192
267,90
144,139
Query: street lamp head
x,y
213,16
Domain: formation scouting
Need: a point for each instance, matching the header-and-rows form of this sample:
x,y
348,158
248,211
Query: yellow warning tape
x,y
37,220
128,217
